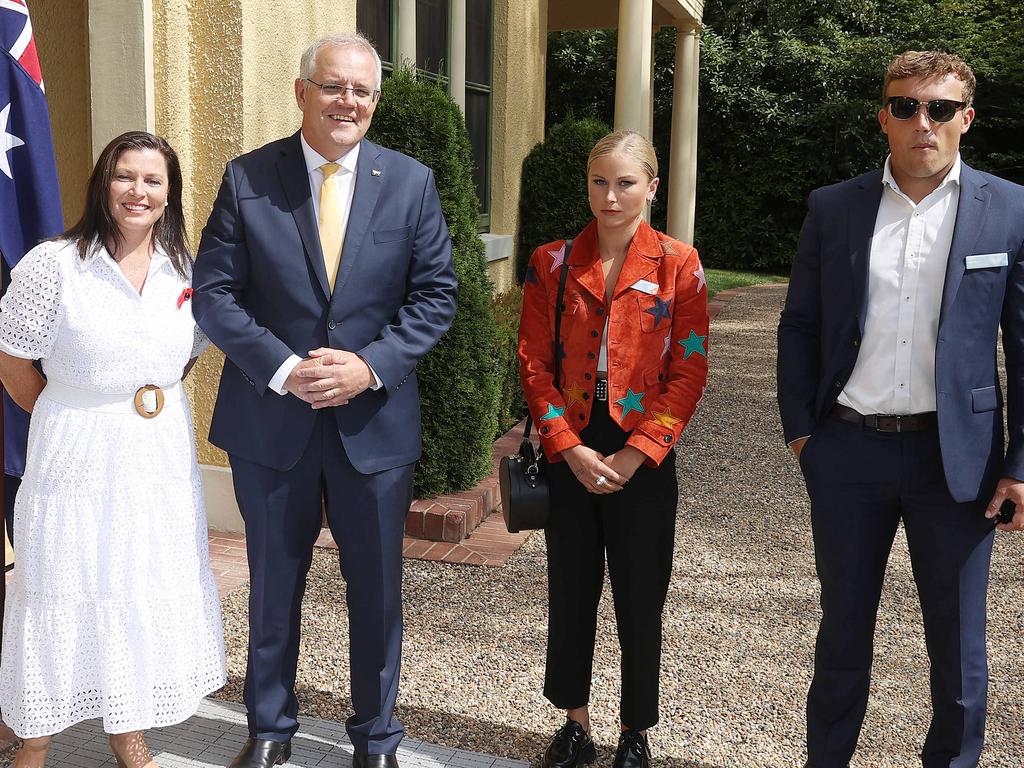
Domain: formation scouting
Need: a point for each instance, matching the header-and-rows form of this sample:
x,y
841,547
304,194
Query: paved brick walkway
x,y
216,733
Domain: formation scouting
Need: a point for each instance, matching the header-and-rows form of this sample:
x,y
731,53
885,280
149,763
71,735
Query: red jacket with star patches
x,y
657,341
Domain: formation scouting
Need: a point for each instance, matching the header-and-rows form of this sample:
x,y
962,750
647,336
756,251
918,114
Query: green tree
x,y
458,382
789,94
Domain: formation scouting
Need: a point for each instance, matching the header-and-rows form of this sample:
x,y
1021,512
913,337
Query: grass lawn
x,y
721,279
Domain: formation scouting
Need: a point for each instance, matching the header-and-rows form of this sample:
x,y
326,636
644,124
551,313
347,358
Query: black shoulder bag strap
x,y
558,329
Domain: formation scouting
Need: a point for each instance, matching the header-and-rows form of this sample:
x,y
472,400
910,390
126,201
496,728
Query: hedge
x,y
553,199
458,382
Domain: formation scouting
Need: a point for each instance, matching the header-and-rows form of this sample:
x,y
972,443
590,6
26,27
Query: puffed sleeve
x,y
537,356
670,411
31,310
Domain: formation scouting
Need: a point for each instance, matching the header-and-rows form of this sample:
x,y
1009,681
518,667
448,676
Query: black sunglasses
x,y
939,110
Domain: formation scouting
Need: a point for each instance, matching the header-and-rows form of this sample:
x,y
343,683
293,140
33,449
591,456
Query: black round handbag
x,y
524,490
525,503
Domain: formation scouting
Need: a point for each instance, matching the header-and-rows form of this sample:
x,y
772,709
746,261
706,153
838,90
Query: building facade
x,y
215,77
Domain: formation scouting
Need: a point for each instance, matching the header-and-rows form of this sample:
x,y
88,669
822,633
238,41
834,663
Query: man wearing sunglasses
x,y
890,399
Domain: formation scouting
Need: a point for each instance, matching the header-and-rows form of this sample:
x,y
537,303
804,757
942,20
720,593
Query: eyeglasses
x,y
335,91
938,110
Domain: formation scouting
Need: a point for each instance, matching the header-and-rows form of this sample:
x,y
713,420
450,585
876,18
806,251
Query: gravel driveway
x,y
739,624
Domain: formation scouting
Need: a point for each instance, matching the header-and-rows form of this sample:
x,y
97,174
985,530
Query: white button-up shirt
x,y
345,178
895,370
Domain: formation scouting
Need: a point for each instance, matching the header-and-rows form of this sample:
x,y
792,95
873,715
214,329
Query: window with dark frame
x,y
378,20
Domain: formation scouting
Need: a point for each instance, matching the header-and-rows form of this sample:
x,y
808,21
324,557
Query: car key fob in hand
x,y
1006,512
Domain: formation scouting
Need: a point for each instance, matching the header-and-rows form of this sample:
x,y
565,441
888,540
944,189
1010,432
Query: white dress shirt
x,y
345,178
895,370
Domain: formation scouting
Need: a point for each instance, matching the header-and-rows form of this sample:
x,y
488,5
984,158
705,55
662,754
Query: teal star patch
x,y
693,343
631,402
553,413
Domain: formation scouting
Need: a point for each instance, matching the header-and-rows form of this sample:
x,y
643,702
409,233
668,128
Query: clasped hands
x,y
589,466
329,377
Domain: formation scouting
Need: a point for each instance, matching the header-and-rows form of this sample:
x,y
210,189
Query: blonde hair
x,y
631,144
930,64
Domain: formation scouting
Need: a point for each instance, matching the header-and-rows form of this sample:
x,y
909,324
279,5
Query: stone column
x,y
633,71
457,52
121,76
406,33
682,191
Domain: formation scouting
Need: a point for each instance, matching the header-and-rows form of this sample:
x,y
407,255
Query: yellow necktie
x,y
330,221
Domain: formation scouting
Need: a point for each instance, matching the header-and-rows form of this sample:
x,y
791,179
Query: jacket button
x,y
582,417
856,342
667,438
545,430
586,395
587,376
661,377
600,310
594,334
332,325
837,384
591,355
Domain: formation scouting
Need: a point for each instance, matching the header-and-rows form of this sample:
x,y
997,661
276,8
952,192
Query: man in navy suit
x,y
324,274
890,399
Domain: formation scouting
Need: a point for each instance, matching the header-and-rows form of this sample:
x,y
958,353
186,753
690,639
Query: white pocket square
x,y
983,260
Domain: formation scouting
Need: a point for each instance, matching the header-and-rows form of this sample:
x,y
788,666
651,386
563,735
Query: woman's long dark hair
x,y
97,222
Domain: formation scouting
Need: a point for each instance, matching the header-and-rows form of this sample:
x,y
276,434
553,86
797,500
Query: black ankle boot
x,y
570,746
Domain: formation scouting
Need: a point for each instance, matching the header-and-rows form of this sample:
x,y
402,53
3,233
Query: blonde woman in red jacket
x,y
633,351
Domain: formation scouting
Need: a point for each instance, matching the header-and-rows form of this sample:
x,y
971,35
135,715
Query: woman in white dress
x,y
113,612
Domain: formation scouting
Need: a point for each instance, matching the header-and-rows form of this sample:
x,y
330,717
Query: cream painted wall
x,y
224,85
62,40
517,107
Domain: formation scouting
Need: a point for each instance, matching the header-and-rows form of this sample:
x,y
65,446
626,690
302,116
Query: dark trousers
x,y
635,528
861,484
366,514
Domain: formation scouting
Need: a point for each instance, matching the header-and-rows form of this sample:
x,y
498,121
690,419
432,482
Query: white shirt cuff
x,y
277,383
377,383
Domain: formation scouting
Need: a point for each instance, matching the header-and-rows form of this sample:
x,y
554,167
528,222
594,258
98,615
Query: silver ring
x,y
601,480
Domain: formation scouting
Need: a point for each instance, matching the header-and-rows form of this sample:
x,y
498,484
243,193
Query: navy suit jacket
x,y
823,321
261,294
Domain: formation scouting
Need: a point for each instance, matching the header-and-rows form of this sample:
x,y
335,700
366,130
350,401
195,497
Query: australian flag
x,y
30,208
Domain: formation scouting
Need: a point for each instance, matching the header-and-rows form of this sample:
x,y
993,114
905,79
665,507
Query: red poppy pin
x,y
186,295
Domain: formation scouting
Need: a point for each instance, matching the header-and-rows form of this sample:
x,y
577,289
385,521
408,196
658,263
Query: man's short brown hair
x,y
930,64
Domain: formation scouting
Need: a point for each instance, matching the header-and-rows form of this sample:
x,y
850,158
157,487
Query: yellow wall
x,y
62,40
224,85
517,107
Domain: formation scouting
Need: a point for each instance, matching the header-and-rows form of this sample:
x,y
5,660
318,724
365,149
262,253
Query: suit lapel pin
x,y
375,172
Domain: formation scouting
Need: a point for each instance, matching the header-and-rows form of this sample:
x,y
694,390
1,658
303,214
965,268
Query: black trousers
x,y
635,529
861,484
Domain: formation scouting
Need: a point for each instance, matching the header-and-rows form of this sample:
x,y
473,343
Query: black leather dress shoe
x,y
570,746
363,760
633,751
262,753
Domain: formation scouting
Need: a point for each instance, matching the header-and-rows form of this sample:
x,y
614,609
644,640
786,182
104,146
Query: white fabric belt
x,y
103,402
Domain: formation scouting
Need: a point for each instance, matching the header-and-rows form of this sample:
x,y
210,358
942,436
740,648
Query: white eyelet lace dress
x,y
113,612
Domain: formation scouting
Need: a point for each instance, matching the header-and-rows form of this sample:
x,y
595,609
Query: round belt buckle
x,y
140,404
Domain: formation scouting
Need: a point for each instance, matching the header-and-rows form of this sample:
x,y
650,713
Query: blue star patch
x,y
693,343
660,310
553,413
631,402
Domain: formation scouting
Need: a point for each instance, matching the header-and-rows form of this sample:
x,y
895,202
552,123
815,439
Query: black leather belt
x,y
882,422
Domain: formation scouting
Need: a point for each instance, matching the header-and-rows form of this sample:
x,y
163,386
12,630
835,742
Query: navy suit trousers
x,y
862,484
366,514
